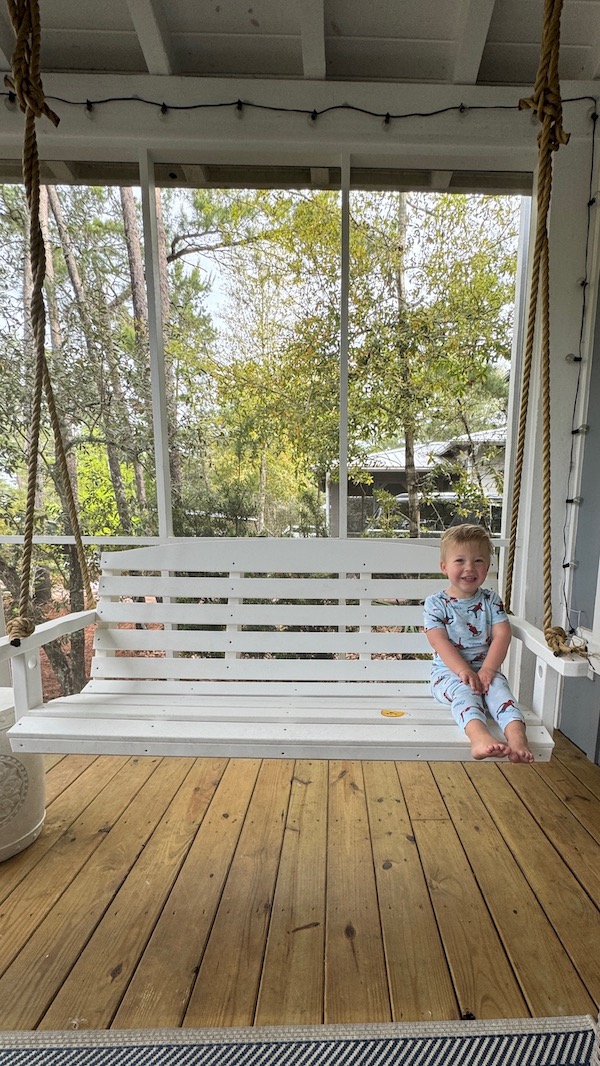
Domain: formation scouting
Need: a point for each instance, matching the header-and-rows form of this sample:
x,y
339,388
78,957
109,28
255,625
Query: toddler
x,y
469,632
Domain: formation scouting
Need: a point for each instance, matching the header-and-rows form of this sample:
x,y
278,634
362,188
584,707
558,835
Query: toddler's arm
x,y
451,657
501,637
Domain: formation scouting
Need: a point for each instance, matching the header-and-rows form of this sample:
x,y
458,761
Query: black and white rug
x,y
532,1042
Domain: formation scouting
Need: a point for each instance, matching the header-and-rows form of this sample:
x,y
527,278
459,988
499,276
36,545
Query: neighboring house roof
x,y
428,455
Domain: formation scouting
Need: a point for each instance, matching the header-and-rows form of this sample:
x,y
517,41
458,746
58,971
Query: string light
x,y
312,113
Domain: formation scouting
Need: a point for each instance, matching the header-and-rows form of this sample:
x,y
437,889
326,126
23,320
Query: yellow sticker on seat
x,y
387,713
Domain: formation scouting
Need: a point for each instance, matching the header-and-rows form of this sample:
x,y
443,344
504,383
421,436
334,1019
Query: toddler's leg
x,y
503,707
468,712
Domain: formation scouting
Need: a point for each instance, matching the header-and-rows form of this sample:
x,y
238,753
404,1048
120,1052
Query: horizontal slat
x,y
398,738
179,690
260,641
393,587
271,554
248,614
242,708
262,669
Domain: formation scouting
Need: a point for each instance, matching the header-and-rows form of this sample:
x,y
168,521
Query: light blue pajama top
x,y
468,623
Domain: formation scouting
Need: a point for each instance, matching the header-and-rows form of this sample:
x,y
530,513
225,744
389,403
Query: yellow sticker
x,y
392,714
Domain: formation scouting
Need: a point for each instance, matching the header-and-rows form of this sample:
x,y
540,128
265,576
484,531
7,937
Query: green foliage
x,y
251,282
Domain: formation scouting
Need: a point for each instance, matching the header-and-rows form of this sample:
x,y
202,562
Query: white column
x,y
343,409
157,355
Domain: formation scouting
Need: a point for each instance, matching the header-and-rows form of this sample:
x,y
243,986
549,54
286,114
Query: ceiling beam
x,y
440,179
7,40
196,174
319,176
312,24
593,63
473,26
150,25
62,172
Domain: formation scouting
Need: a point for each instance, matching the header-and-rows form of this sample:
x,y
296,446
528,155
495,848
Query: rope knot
x,y
19,628
556,639
26,81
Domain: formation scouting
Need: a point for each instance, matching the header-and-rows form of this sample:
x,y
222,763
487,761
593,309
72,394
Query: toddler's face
x,y
466,566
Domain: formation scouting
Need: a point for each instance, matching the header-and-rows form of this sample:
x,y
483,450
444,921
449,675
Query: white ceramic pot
x,y
22,790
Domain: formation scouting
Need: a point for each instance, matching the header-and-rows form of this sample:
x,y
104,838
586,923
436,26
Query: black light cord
x,y
312,113
578,359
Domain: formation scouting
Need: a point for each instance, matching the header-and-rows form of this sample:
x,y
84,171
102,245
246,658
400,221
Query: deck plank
x,y
30,983
161,986
65,831
530,942
575,761
356,985
574,794
409,928
226,989
106,964
384,851
61,772
562,828
485,983
293,971
573,914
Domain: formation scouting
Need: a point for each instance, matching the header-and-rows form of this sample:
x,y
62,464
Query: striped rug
x,y
534,1042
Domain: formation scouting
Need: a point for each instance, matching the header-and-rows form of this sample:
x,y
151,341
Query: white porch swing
x,y
269,648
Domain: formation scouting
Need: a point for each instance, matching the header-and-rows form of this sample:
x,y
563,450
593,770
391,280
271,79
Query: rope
x,y
546,103
26,83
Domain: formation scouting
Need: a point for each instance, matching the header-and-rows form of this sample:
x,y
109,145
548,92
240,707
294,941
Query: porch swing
x,y
265,647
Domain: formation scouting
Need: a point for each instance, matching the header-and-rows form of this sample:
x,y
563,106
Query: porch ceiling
x,y
454,42
321,51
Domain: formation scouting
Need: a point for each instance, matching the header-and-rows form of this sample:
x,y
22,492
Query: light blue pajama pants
x,y
466,706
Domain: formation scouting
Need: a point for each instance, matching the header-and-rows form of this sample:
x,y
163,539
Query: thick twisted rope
x,y
546,103
27,85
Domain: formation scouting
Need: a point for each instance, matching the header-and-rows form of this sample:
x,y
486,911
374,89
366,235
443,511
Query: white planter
x,y
22,791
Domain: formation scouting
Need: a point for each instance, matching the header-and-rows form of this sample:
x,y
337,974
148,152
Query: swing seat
x,y
274,648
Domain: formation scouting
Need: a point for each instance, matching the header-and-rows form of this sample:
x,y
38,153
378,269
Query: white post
x,y
5,678
157,354
343,410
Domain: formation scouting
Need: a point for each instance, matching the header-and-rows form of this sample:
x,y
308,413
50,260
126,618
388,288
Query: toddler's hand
x,y
486,676
472,679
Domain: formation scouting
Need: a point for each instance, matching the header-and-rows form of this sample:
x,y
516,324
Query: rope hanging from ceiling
x,y
545,102
26,83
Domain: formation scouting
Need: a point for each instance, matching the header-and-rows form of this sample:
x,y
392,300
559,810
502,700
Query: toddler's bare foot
x,y
483,744
520,755
518,747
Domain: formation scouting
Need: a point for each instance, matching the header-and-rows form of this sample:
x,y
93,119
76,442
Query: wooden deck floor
x,y
212,893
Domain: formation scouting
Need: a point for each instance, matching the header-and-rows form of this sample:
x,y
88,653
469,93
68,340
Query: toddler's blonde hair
x,y
467,533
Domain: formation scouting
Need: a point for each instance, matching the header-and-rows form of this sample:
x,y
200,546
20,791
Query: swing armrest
x,y
572,665
47,631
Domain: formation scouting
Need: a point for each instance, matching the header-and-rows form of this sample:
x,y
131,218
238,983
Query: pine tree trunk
x,y
95,359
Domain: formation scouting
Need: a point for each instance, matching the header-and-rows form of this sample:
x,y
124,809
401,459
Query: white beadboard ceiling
x,y
469,42
329,49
